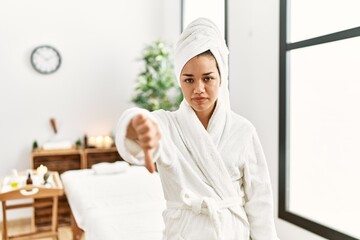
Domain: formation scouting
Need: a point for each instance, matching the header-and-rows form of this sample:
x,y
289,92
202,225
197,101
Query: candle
x,y
41,170
99,142
91,141
108,141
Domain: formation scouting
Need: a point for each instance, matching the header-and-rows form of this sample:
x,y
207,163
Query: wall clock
x,y
45,59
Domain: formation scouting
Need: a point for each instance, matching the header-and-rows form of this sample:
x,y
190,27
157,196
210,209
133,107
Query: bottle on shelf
x,y
85,141
29,180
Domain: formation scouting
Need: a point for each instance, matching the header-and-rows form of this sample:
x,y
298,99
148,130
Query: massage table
x,y
126,205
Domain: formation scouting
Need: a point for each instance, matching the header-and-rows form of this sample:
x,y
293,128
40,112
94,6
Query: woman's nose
x,y
199,87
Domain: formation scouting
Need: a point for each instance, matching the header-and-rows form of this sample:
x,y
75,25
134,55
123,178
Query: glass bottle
x,y
29,180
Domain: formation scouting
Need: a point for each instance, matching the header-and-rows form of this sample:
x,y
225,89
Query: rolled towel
x,y
110,168
57,145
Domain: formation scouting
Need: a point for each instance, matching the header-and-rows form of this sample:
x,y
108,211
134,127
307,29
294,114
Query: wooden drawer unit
x,y
61,161
93,156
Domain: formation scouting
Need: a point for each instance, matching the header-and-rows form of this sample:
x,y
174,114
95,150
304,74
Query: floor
x,y
24,226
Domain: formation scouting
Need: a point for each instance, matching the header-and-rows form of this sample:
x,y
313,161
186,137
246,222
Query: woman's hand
x,y
145,132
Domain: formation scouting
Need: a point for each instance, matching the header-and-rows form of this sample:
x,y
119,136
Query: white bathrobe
x,y
215,180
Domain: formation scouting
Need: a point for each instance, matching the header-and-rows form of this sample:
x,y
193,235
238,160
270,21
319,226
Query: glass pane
x,y
212,9
313,18
324,133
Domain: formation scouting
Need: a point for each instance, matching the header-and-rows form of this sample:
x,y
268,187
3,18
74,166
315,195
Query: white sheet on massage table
x,y
125,205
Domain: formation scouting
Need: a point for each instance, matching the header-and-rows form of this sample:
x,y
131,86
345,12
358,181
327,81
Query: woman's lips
x,y
199,99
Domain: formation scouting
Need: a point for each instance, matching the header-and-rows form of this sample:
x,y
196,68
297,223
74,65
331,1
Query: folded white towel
x,y
110,168
57,145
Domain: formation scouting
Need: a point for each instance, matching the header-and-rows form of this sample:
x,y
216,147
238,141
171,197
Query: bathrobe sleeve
x,y
258,193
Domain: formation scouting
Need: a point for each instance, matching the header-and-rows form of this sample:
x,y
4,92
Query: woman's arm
x,y
259,204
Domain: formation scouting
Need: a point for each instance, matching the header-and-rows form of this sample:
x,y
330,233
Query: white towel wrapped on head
x,y
199,36
110,168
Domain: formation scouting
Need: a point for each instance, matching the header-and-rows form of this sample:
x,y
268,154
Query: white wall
x,y
171,25
254,80
99,41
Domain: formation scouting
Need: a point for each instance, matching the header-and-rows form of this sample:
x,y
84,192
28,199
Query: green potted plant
x,y
156,85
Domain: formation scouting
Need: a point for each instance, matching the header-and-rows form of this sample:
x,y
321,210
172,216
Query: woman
x,y
210,160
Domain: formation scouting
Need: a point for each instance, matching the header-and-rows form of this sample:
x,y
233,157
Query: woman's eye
x,y
206,79
188,80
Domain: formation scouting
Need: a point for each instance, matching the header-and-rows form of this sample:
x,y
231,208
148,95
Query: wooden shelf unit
x,y
36,192
61,161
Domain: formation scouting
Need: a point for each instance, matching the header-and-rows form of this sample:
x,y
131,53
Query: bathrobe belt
x,y
205,205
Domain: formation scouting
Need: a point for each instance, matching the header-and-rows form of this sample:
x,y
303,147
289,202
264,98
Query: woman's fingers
x,y
138,123
147,132
149,163
147,136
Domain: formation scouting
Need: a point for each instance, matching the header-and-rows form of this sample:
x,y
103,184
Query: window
x,y
319,116
215,10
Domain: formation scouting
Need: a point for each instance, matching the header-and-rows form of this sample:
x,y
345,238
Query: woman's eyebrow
x,y
205,74
191,75
188,74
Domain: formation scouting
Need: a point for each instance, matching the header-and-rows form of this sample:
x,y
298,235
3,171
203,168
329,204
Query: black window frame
x,y
285,47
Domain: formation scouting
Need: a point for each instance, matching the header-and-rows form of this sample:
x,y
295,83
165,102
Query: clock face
x,y
45,59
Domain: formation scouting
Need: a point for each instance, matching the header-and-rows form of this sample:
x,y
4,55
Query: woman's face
x,y
200,82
